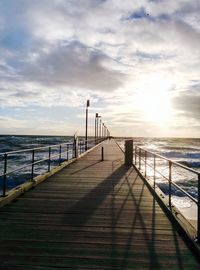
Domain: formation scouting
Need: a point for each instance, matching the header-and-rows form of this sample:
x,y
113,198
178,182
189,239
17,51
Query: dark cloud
x,y
23,94
188,103
74,65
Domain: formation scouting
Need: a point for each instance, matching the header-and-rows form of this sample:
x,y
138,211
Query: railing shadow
x,y
86,167
92,200
148,232
86,207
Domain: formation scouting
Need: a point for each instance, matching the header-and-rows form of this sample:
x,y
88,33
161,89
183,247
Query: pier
x,y
93,214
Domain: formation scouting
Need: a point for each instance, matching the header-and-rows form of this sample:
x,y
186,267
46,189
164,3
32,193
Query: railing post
x,y
135,155
49,160
154,171
75,146
67,152
33,160
140,159
198,215
60,153
102,153
129,152
5,175
145,164
170,183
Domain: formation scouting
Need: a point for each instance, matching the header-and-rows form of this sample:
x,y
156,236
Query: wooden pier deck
x,y
91,215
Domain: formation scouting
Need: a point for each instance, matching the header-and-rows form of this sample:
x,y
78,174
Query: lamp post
x,y
86,124
96,127
97,116
100,128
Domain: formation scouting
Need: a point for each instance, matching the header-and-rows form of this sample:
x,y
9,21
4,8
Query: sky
x,y
137,61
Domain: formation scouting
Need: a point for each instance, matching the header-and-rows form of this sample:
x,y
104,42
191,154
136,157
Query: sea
x,y
185,151
10,143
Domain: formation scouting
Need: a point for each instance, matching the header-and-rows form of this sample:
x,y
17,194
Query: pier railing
x,y
160,169
24,162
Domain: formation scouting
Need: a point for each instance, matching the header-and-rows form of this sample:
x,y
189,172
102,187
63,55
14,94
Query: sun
x,y
153,99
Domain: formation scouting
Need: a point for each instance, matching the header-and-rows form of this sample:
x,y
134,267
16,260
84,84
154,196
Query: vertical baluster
x,y
135,155
145,164
198,209
154,171
49,160
67,152
5,174
75,148
140,159
60,153
170,184
33,160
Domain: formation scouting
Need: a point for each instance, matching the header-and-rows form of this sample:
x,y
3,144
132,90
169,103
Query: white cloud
x,y
74,65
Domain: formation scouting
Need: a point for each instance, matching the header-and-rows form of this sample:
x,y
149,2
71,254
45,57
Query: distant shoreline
x,y
117,137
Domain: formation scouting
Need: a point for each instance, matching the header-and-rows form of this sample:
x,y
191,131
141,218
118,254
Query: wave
x,y
180,148
191,164
177,154
176,192
13,143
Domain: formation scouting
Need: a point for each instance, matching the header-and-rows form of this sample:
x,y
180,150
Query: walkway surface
x,y
91,215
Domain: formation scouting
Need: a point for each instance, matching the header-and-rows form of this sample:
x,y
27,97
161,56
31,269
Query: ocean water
x,y
185,151
15,143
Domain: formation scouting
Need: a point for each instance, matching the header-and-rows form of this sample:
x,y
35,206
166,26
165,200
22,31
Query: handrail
x,y
30,164
185,192
35,149
174,162
174,184
142,154
155,170
44,147
76,147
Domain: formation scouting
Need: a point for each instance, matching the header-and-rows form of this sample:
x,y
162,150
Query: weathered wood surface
x,y
91,215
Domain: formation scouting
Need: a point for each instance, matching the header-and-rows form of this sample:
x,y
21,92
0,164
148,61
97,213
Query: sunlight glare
x,y
153,99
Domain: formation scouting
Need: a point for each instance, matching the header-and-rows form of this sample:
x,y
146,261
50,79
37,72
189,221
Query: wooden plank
x,y
91,215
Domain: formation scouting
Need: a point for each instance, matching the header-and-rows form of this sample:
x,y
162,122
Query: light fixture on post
x,y
86,125
100,127
96,128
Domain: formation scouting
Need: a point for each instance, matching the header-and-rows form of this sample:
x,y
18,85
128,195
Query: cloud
x,y
74,65
188,103
62,52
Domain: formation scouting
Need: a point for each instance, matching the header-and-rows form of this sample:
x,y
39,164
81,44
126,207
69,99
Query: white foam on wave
x,y
181,202
187,207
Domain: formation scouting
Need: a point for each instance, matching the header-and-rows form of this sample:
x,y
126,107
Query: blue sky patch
x,y
15,40
139,14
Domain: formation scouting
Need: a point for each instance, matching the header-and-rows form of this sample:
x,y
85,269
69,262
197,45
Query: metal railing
x,y
155,166
54,156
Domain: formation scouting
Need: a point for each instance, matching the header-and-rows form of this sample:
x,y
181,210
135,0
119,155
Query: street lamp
x,y
96,130
86,124
100,128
